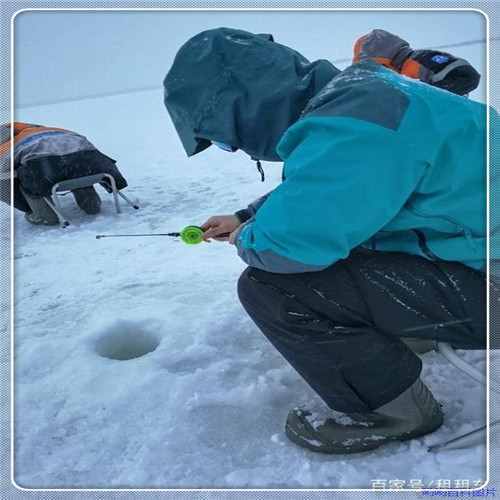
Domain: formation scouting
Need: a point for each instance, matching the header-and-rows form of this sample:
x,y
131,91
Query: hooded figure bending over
x,y
42,157
377,232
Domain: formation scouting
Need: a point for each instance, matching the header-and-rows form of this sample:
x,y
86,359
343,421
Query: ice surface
x,y
207,406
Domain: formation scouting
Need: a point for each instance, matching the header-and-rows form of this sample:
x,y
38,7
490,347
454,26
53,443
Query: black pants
x,y
340,328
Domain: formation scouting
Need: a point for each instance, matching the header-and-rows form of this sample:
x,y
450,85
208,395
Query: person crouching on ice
x,y
377,232
44,156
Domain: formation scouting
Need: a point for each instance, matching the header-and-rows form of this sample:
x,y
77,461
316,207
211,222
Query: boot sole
x,y
310,444
363,446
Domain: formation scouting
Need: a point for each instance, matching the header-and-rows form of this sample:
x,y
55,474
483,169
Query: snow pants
x,y
340,328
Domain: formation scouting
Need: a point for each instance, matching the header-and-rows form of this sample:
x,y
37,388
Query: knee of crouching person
x,y
251,289
245,284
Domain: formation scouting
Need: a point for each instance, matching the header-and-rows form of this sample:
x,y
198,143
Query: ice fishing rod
x,y
191,235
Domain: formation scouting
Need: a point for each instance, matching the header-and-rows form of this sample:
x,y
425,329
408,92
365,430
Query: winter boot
x,y
88,200
40,221
41,213
413,413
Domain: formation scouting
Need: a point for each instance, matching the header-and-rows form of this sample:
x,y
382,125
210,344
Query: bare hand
x,y
220,224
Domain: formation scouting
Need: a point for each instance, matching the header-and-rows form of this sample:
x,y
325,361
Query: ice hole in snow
x,y
126,341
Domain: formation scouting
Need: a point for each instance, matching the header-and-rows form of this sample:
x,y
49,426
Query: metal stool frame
x,y
473,437
81,182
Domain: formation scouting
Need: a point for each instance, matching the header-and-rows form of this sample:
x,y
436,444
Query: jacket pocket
x,y
446,224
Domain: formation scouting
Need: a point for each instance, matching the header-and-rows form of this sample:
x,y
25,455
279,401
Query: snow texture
x,y
135,364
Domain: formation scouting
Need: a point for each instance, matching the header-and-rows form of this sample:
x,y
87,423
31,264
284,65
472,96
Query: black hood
x,y
241,89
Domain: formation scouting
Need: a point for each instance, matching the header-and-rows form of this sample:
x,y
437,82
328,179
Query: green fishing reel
x,y
192,235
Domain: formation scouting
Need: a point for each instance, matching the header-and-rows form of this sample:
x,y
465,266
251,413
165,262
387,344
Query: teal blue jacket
x,y
376,160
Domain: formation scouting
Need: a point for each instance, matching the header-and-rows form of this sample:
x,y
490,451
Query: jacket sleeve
x,y
344,180
249,212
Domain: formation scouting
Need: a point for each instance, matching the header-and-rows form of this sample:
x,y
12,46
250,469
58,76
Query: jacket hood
x,y
240,89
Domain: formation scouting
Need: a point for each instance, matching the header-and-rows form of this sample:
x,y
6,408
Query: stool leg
x,y
114,191
62,220
128,200
57,206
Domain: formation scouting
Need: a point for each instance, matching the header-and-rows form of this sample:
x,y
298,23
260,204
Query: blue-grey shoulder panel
x,y
363,94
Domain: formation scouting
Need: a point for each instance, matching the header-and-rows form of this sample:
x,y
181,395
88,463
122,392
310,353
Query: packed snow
x,y
135,364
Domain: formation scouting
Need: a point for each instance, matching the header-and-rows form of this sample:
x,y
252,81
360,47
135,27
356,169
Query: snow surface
x,y
207,407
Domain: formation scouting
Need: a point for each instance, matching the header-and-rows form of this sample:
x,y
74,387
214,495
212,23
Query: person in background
x,y
377,232
434,67
44,156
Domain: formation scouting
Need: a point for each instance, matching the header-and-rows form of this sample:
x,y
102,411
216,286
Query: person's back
x,y
36,141
403,162
44,156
